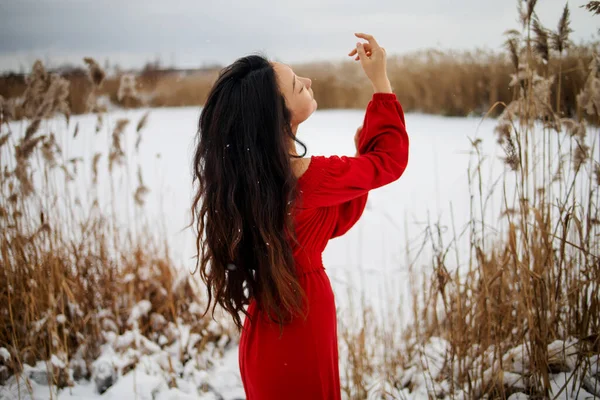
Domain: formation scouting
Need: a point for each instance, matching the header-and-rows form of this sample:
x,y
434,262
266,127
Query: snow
x,y
518,396
566,391
57,362
144,382
371,259
141,309
4,354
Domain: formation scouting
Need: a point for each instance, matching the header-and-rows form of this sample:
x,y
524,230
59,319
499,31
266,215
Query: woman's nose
x,y
309,82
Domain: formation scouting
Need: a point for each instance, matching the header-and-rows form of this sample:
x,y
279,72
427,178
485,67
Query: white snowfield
x,y
371,258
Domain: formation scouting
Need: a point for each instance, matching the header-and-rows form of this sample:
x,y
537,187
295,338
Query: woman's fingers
x,y
357,58
366,46
368,38
367,52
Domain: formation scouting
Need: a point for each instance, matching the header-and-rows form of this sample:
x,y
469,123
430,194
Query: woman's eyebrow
x,y
294,83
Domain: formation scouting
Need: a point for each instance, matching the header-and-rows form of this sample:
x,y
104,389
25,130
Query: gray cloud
x,y
189,33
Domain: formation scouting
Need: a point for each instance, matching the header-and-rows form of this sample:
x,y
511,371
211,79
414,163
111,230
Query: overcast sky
x,y
190,33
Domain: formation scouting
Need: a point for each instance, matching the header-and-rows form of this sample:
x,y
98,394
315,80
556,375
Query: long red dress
x,y
302,363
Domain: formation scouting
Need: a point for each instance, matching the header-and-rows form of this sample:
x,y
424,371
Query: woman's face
x,y
297,92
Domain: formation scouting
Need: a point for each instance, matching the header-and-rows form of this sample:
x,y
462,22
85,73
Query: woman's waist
x,y
308,260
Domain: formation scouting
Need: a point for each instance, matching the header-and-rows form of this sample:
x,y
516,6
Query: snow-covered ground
x,y
371,258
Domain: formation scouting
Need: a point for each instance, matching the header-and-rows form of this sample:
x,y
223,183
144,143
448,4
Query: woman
x,y
264,216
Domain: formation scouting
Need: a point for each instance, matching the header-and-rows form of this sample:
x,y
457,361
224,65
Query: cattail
x,y
32,128
141,190
541,46
519,77
67,173
509,212
581,130
570,125
142,123
74,161
512,157
597,173
37,84
512,44
26,147
580,156
593,7
114,156
4,139
525,14
116,153
99,122
558,173
574,128
57,95
589,97
23,177
542,90
475,143
560,38
95,167
45,227
120,127
503,130
7,110
45,94
530,7
140,126
76,130
48,150
137,142
95,72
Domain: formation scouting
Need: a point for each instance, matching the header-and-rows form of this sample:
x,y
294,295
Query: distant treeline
x,y
431,81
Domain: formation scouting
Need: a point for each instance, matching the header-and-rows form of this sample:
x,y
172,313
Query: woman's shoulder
x,y
300,166
313,168
309,171
305,166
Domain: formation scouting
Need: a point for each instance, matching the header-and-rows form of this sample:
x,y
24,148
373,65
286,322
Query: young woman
x,y
265,214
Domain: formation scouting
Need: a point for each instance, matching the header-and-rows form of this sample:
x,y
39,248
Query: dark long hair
x,y
244,204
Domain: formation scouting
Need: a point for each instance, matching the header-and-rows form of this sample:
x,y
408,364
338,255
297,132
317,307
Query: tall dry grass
x,y
73,279
524,304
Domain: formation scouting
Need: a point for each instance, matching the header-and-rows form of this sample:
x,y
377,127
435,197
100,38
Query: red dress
x,y
303,362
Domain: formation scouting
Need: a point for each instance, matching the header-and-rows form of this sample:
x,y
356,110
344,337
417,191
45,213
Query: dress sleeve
x,y
348,214
382,159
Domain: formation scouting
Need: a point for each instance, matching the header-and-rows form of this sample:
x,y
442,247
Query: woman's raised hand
x,y
373,61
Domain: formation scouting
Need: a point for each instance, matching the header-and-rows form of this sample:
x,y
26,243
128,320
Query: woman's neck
x,y
292,145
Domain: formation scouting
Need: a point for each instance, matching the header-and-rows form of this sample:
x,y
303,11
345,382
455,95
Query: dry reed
x,y
525,304
71,282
